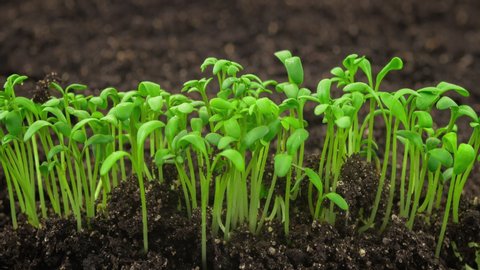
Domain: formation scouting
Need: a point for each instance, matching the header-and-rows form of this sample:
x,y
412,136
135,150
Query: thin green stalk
x,y
445,217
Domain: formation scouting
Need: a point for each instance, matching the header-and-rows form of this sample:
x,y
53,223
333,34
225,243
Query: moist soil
x,y
113,240
119,43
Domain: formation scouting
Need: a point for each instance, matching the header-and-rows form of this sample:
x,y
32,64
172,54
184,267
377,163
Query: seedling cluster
x,y
70,151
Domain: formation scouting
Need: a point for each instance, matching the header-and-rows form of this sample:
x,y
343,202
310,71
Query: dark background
x,y
119,43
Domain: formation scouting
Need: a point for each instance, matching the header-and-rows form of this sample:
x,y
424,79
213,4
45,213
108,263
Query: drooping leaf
x,y
123,110
338,200
450,141
446,103
394,106
34,128
235,157
194,140
295,140
315,179
145,130
445,86
283,55
442,156
412,137
343,122
394,64
99,139
55,150
111,160
424,119
225,141
147,88
254,135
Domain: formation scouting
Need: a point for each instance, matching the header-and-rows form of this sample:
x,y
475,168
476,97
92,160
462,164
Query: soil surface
x,y
114,239
119,43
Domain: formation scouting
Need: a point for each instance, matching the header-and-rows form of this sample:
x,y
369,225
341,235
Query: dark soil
x,y
118,43
114,239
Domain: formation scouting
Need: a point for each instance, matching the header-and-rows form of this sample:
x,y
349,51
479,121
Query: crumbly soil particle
x,y
113,239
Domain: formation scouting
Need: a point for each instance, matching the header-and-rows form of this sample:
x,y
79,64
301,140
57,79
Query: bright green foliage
x,y
69,152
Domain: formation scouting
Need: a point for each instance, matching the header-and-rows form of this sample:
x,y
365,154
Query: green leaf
x,y
13,123
338,200
213,138
55,150
196,124
155,103
445,86
424,119
123,110
232,128
394,64
52,102
220,104
273,129
366,67
295,140
83,122
464,158
447,175
75,87
171,128
266,106
425,100
283,55
56,112
235,157
405,91
111,160
34,128
394,106
294,69
185,108
442,156
161,156
254,135
195,140
63,128
145,130
27,104
343,122
320,109
282,164
79,136
432,142
47,167
315,179
412,137
467,111
323,91
450,141
98,139
219,66
147,88
225,141
446,103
